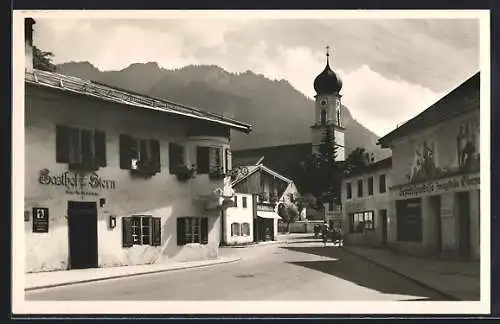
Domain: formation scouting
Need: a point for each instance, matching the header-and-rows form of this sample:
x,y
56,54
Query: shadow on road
x,y
353,269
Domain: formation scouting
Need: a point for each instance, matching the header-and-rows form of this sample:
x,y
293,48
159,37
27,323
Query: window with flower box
x,y
140,155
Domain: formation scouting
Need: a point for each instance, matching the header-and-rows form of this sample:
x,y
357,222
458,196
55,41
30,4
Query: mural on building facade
x,y
468,146
425,165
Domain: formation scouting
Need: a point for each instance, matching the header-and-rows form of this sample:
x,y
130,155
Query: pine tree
x,y
43,60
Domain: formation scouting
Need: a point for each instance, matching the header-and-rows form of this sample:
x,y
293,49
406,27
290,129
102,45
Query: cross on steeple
x,y
327,54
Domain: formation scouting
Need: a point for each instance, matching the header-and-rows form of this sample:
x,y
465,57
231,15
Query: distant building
x,y
117,178
435,178
268,189
365,202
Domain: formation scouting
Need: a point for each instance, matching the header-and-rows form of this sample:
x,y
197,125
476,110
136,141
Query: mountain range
x,y
278,112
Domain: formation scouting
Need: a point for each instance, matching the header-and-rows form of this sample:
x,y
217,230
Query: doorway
x,y
383,222
435,205
464,220
82,228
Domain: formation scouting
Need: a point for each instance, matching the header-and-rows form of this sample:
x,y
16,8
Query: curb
x,y
265,244
419,282
127,275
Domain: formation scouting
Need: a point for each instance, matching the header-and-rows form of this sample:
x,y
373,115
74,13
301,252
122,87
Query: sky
x,y
392,69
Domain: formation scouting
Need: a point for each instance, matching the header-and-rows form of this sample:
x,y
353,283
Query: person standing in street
x,y
324,232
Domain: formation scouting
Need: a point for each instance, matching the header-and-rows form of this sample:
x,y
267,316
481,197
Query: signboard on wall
x,y
76,183
465,182
40,220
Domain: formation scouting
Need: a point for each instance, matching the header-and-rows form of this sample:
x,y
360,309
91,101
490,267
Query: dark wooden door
x,y
82,223
383,222
464,239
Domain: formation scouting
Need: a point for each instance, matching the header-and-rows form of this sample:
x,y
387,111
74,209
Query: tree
x,y
358,159
289,213
43,60
321,173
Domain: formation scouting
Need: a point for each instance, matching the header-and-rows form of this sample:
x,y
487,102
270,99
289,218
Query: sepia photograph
x,y
251,162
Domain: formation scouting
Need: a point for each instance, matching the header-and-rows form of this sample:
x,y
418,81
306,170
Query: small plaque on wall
x,y
40,220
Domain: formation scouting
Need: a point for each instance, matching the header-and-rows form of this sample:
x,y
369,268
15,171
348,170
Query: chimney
x,y
28,42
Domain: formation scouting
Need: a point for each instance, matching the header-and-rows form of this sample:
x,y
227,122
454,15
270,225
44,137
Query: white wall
x,y
239,214
160,196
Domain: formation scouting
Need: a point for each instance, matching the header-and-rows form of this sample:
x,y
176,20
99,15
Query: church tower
x,y
328,109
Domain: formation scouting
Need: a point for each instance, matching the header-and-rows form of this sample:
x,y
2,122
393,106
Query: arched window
x,y
245,229
235,229
323,116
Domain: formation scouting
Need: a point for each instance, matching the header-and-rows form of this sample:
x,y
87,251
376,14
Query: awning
x,y
268,214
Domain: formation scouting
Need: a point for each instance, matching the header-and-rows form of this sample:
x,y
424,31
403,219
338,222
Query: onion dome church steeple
x,y
328,107
327,82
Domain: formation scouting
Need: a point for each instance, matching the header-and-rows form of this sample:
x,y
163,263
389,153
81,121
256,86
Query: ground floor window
x,y
245,229
192,230
361,221
235,229
141,230
409,220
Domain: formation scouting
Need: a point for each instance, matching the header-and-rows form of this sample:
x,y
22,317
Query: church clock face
x,y
323,103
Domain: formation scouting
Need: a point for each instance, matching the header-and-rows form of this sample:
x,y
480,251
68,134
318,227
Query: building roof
x,y
111,94
283,158
459,101
372,167
255,168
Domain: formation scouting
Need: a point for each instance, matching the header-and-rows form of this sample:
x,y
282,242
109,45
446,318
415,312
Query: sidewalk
x,y
457,280
281,239
42,280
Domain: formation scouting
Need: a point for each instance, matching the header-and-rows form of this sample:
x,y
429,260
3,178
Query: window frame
x,y
243,226
360,217
370,186
244,203
360,188
384,190
235,229
140,149
188,224
140,229
348,189
174,148
71,148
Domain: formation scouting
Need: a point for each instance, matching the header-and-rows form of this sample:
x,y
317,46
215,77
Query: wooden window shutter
x,y
202,159
204,230
175,156
229,165
125,156
127,239
75,145
100,148
180,231
155,155
62,143
156,231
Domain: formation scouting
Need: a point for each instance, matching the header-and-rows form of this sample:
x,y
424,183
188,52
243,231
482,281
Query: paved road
x,y
285,272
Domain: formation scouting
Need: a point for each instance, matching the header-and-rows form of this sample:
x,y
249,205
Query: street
x,y
299,271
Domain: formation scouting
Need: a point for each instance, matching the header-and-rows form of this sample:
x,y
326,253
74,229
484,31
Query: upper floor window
x,y
235,201
382,184
370,186
348,188
244,202
80,148
139,154
176,157
141,230
360,188
209,160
